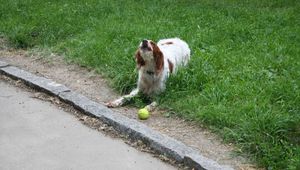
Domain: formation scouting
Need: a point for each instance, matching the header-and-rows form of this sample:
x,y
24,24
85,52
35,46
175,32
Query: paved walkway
x,y
37,135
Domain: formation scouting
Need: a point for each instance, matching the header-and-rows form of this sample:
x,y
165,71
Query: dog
x,y
155,63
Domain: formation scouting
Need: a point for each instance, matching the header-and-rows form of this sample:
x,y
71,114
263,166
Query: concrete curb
x,y
3,64
134,129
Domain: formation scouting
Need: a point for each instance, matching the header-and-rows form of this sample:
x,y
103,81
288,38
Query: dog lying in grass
x,y
155,62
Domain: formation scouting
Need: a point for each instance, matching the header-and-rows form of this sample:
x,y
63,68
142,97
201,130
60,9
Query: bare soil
x,y
92,85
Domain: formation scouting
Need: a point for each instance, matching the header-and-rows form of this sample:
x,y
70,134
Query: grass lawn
x,y
243,80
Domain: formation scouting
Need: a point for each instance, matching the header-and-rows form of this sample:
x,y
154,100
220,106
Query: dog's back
x,y
176,51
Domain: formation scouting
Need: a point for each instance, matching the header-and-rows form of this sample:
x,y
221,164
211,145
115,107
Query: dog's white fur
x,y
155,62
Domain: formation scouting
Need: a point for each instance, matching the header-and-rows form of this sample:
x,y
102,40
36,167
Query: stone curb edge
x,y
132,128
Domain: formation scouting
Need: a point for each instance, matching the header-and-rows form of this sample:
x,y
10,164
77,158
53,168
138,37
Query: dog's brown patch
x,y
171,66
158,57
139,59
168,43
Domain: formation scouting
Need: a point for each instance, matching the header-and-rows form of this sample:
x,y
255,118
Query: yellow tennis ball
x,y
143,114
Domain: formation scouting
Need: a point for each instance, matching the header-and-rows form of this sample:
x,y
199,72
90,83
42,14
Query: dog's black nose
x,y
145,43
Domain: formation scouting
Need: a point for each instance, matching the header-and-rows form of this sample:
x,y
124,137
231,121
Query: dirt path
x,y
95,87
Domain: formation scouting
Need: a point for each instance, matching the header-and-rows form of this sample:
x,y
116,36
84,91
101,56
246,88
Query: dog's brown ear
x,y
139,60
158,58
159,61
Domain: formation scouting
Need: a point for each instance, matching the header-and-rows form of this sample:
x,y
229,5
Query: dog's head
x,y
148,51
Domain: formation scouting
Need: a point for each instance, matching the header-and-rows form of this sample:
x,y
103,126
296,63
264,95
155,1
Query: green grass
x,y
243,80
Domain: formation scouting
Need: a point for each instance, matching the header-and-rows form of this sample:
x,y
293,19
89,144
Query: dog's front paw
x,y
115,103
111,105
151,107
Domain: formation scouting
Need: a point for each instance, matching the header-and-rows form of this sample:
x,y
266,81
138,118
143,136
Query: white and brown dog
x,y
155,62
